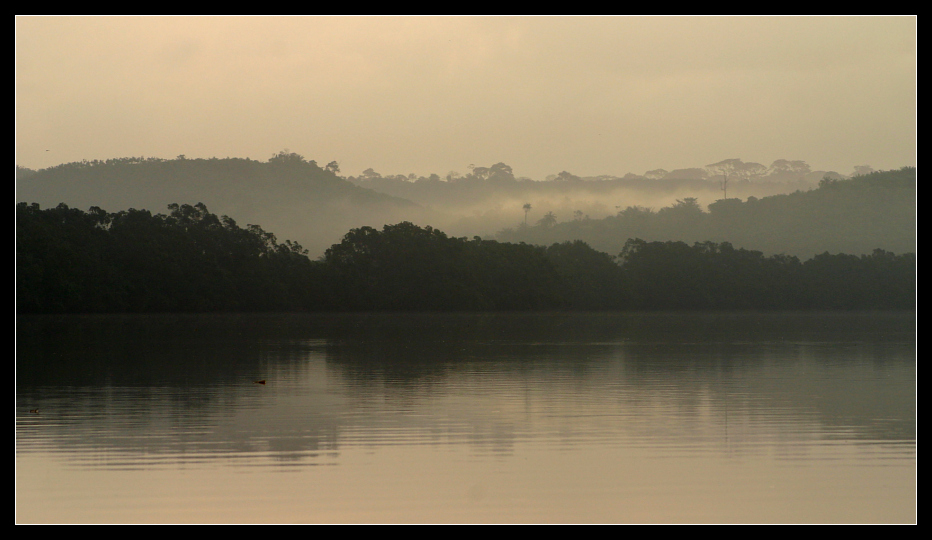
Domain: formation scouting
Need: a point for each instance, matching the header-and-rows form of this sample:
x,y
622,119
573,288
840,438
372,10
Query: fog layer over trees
x,y
727,201
855,216
486,200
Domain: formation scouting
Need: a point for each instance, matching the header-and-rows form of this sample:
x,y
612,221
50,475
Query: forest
x,y
191,260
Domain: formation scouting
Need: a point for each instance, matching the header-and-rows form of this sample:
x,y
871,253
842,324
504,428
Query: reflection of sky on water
x,y
486,382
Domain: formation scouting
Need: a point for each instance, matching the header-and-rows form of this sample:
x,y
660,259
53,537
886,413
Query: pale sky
x,y
590,95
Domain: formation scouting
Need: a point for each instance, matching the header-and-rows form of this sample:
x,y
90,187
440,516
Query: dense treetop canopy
x,y
190,260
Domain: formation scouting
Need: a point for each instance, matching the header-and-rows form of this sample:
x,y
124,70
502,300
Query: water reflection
x,y
170,393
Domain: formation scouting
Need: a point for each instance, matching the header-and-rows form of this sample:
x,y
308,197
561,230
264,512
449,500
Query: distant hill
x,y
489,199
295,197
314,206
854,216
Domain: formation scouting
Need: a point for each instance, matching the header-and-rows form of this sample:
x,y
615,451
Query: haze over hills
x,y
777,209
489,199
853,216
288,195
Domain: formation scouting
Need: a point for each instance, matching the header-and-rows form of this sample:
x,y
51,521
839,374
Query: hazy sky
x,y
591,95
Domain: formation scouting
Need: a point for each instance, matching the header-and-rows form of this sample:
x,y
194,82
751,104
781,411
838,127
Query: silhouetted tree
x,y
784,166
549,220
725,168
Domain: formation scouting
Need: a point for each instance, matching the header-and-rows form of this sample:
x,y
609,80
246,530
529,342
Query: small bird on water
x,y
261,382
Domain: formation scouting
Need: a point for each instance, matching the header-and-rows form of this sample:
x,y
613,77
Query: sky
x,y
401,95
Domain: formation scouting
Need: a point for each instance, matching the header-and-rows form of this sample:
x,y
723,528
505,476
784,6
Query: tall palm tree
x,y
527,208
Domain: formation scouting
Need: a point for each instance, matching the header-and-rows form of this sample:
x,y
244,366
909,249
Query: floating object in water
x,y
261,382
34,411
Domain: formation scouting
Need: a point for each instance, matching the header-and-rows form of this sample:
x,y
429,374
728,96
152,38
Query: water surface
x,y
542,418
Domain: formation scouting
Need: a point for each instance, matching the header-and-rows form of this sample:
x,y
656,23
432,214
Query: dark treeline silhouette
x,y
856,216
673,275
407,267
190,260
133,261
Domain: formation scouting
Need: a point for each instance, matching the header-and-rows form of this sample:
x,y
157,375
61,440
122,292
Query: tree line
x,y
190,260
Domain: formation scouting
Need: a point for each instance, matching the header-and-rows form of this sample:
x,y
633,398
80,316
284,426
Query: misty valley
x,y
784,209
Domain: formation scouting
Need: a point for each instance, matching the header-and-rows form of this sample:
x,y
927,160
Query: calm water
x,y
655,418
